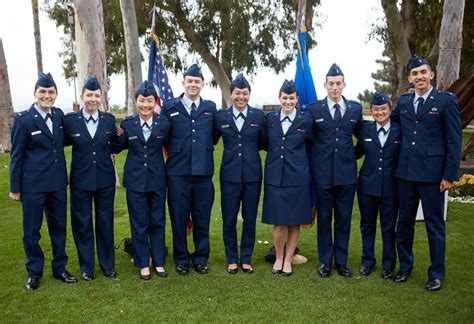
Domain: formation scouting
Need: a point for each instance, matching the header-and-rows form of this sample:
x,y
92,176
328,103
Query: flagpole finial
x,y
303,28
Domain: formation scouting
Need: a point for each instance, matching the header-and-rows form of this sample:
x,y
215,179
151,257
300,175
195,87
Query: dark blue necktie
x,y
193,110
48,116
241,115
382,130
337,114
421,102
91,119
145,124
286,118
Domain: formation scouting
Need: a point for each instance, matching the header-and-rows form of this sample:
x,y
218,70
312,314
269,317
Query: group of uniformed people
x,y
412,153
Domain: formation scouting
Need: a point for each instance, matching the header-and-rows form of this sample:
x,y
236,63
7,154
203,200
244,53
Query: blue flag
x,y
306,94
304,79
157,73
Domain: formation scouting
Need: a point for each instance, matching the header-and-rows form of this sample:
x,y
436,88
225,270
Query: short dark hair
x,y
280,92
137,93
84,89
232,87
37,86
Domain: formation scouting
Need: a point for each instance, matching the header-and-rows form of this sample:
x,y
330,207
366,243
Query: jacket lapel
x,y
429,103
81,124
326,112
229,118
391,134
249,119
295,123
40,123
101,125
375,135
137,128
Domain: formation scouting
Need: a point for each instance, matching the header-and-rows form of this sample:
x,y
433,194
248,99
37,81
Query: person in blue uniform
x,y
189,168
286,201
144,177
380,142
334,171
92,179
38,179
242,129
428,164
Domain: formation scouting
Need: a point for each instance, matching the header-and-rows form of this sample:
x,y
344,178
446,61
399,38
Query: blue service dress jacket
x,y
190,153
91,164
241,159
144,168
431,149
333,159
37,158
377,174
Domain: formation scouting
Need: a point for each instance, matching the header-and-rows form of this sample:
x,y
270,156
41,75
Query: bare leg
x,y
279,238
291,242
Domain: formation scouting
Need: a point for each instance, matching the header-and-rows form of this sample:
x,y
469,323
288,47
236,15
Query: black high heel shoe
x,y
161,274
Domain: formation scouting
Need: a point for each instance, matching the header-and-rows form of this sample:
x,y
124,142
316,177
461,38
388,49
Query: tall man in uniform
x,y
189,170
38,179
334,171
428,165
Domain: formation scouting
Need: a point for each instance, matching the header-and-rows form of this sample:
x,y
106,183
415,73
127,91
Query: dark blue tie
x,y
286,118
193,110
91,119
240,115
421,102
382,130
337,114
48,116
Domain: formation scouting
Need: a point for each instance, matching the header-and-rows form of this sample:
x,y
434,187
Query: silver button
x,y
380,151
240,144
281,156
282,147
239,136
94,153
194,141
55,160
240,154
337,139
412,143
335,150
54,151
380,169
337,128
145,155
144,164
192,120
145,147
194,130
380,160
283,138
93,161
414,132
416,122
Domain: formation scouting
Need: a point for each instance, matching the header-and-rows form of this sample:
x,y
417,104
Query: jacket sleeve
x,y
120,143
452,121
19,139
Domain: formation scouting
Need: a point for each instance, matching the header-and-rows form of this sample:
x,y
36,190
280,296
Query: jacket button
x,y
93,153
414,132
145,155
55,160
144,164
194,141
412,143
240,145
93,161
145,147
240,154
283,138
335,150
194,130
380,169
281,156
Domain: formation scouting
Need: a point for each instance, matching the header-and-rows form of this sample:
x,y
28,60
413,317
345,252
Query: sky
x,y
341,39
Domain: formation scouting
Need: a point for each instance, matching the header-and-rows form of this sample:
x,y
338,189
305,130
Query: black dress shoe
x,y
201,268
324,271
365,270
386,274
286,274
145,277
182,269
110,273
343,270
401,276
161,274
32,283
232,270
247,270
65,277
87,276
433,284
275,271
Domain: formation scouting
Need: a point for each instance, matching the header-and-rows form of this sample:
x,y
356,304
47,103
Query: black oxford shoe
x,y
324,271
433,284
182,269
66,277
365,270
401,276
32,284
87,276
201,268
386,274
343,270
110,273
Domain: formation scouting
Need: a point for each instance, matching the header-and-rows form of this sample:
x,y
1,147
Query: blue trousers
x,y
83,227
432,201
232,195
190,195
147,223
369,207
53,205
339,199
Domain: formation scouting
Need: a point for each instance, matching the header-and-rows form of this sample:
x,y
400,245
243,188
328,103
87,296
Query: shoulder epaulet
x,y
107,113
354,102
128,117
221,111
406,94
22,113
58,109
447,93
72,113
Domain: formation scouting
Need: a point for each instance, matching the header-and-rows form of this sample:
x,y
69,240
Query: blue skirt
x,y
286,205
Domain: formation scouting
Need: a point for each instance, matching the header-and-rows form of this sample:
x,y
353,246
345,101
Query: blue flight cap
x,y
240,82
147,89
334,70
416,61
92,83
410,85
195,71
380,98
288,87
45,80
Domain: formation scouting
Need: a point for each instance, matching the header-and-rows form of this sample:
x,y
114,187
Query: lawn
x,y
219,297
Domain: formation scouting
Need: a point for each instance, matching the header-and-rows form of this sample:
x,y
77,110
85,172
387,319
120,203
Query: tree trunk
x,y
132,48
300,14
37,33
396,31
6,106
90,44
450,43
409,22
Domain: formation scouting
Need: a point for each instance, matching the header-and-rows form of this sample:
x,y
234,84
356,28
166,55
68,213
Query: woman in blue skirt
x,y
286,202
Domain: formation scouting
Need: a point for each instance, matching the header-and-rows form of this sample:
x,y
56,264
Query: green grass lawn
x,y
218,296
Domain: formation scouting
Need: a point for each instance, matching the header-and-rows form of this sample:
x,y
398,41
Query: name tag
x,y
300,130
319,120
403,111
353,120
253,125
174,114
225,126
208,113
396,142
108,133
367,140
35,133
75,135
132,138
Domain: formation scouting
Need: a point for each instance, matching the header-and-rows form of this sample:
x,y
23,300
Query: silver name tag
x,y
319,120
367,140
75,135
174,114
35,133
225,126
132,138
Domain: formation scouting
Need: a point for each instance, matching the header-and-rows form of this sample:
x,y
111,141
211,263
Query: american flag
x,y
157,73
